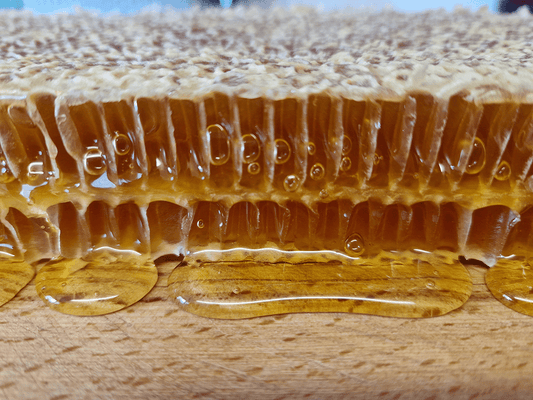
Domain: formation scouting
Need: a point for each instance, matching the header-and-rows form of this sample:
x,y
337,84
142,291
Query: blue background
x,y
125,6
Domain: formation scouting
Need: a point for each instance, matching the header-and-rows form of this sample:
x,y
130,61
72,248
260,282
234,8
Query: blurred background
x,y
129,6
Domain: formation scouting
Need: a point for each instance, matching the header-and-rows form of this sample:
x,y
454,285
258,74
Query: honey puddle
x,y
15,273
14,276
406,284
511,282
100,283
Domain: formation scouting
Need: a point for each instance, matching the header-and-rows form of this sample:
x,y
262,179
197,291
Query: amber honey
x,y
304,204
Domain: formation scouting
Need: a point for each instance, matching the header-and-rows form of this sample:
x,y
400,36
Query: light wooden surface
x,y
154,351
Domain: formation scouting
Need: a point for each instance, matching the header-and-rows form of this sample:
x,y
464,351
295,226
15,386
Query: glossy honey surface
x,y
370,202
397,285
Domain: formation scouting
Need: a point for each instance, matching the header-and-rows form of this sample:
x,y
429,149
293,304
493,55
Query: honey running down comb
x,y
295,161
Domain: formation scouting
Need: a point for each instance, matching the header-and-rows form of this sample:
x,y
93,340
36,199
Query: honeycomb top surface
x,y
274,52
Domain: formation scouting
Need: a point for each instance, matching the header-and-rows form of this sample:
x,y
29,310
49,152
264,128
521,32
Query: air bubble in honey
x,y
94,161
200,223
254,168
219,144
283,151
477,159
504,171
523,140
250,148
35,170
311,148
5,173
378,164
377,158
20,116
317,171
323,194
346,164
97,284
291,183
122,144
354,245
346,145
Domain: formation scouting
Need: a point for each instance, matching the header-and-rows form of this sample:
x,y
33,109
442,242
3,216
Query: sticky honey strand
x,y
157,149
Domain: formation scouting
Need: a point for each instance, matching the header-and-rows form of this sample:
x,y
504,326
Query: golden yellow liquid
x,y
15,274
423,286
96,284
511,282
349,194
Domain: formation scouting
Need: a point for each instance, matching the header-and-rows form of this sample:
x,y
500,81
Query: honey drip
x,y
353,193
423,286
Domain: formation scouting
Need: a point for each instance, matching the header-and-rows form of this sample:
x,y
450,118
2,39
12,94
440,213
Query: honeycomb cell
x,y
128,152
160,147
220,134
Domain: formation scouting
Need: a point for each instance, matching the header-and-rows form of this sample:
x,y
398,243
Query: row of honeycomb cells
x,y
113,268
363,229
288,144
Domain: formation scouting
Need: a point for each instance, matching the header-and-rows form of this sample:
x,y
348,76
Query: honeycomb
x,y
306,196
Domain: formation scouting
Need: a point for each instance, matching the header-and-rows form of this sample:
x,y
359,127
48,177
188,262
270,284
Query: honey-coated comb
x,y
296,161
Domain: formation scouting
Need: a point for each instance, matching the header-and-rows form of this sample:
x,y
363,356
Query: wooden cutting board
x,y
152,350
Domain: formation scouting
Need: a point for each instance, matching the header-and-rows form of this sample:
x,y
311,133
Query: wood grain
x,y
153,350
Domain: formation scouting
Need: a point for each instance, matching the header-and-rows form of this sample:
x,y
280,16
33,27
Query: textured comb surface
x,y
257,51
